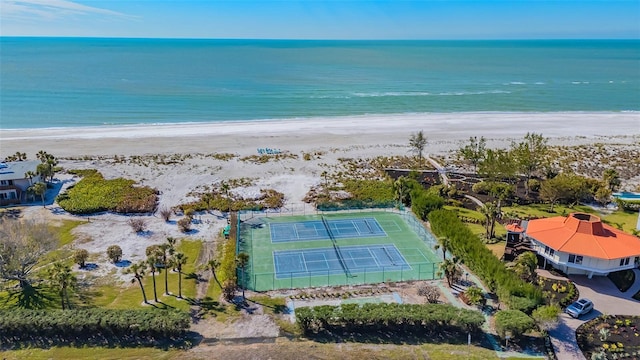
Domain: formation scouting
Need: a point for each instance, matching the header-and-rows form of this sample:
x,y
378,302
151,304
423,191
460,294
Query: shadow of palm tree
x,y
30,297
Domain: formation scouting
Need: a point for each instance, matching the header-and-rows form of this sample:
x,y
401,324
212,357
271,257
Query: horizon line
x,y
318,39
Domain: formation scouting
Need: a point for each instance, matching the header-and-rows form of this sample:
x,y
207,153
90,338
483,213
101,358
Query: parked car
x,y
580,307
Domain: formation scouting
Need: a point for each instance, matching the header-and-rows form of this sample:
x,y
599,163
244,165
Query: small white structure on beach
x,y
14,183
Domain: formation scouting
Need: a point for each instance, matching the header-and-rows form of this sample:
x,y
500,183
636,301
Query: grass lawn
x,y
130,297
282,349
92,353
625,219
542,210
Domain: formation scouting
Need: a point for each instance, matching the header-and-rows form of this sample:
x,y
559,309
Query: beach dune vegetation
x,y
95,194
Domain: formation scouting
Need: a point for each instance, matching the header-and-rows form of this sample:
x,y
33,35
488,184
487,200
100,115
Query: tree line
x,y
92,325
423,318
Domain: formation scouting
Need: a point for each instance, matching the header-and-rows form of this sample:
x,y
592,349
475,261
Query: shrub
x,y
423,203
165,214
514,322
80,256
114,252
431,293
92,324
137,224
427,318
474,295
184,224
95,194
229,289
467,246
534,184
546,316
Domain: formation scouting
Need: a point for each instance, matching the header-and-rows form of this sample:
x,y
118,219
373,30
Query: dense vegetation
x,y
361,194
513,323
427,318
468,247
95,194
95,326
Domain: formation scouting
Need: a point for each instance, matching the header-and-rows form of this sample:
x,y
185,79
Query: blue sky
x,y
329,19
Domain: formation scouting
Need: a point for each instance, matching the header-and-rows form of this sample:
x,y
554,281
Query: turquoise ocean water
x,y
71,82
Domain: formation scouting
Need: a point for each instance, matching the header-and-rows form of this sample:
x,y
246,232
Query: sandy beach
x,y
443,130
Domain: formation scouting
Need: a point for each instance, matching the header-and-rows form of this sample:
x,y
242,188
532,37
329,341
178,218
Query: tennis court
x,y
314,262
335,249
315,229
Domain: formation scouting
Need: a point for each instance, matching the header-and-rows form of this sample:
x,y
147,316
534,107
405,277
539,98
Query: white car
x,y
580,307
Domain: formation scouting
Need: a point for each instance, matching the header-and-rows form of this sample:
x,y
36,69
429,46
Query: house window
x,y
549,251
5,182
3,195
625,261
575,259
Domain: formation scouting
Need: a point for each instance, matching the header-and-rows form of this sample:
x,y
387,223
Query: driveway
x,y
607,299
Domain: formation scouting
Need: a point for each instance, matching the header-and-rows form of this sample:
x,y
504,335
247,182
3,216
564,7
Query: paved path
x,y
441,170
607,299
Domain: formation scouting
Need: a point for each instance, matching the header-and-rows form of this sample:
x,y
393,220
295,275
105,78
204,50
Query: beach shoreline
x,y
297,134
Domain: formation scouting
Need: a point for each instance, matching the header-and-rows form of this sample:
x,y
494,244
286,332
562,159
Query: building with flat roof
x,y
14,182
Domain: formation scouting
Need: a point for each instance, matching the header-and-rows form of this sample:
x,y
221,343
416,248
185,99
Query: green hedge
x,y
427,318
94,194
71,325
514,322
470,249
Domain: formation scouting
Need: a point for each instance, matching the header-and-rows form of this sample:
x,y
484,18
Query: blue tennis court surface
x,y
316,230
325,261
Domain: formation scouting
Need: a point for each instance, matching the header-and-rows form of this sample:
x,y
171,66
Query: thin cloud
x,y
50,9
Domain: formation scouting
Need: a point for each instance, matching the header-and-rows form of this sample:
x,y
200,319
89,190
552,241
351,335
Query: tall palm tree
x,y
138,271
445,245
39,189
490,212
164,262
152,262
224,186
212,265
61,276
179,260
242,260
450,269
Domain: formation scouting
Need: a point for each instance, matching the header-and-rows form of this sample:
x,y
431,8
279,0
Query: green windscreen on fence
x,y
342,248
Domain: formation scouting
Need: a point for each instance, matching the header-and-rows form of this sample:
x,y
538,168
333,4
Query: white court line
x,y
375,258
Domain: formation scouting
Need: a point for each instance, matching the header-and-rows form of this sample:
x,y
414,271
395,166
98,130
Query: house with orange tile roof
x,y
581,244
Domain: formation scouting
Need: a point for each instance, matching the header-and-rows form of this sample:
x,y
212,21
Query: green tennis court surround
x,y
344,248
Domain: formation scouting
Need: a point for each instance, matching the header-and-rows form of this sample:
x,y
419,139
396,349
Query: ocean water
x,y
71,82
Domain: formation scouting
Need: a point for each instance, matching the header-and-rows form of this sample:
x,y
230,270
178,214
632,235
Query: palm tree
x,y
242,260
490,212
168,249
153,260
526,265
450,270
138,271
224,186
30,175
417,142
402,190
61,276
445,245
39,189
212,265
179,260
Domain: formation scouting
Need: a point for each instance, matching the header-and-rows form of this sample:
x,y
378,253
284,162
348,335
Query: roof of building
x,y
514,227
583,234
15,170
